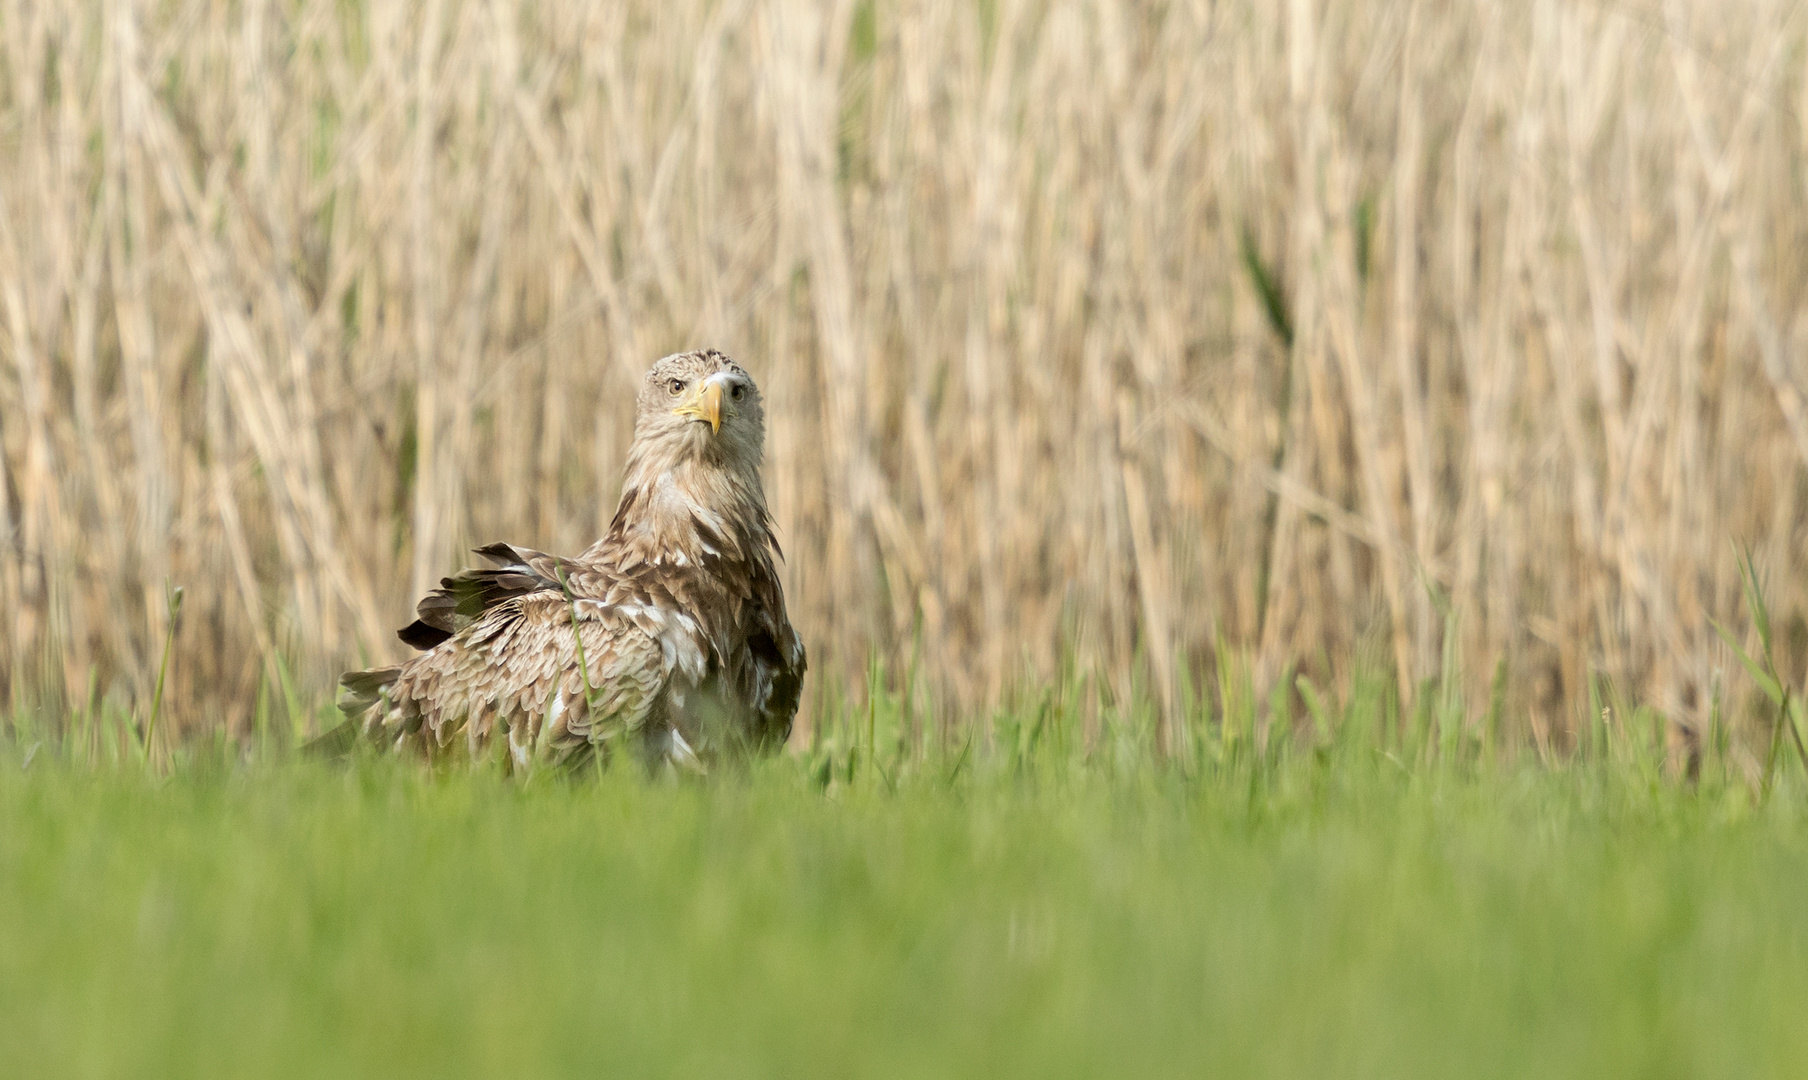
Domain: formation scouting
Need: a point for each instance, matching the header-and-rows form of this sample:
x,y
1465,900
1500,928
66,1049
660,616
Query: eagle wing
x,y
778,665
511,571
516,665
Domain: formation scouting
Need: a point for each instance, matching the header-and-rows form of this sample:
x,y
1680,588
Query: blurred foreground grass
x,y
1312,914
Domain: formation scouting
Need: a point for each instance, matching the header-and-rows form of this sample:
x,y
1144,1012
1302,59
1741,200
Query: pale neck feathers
x,y
686,511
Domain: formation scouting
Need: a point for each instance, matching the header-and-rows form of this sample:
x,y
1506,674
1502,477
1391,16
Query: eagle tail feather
x,y
359,690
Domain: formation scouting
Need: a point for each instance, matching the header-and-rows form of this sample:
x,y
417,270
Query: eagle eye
x,y
677,387
738,392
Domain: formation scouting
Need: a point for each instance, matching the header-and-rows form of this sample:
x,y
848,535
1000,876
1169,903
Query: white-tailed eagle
x,y
667,636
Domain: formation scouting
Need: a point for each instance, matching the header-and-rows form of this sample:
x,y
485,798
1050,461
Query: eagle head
x,y
701,405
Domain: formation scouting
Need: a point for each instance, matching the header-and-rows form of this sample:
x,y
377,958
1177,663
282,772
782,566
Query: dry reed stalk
x,y
298,301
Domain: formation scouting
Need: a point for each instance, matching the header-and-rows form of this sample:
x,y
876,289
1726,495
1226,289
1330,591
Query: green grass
x,y
1309,915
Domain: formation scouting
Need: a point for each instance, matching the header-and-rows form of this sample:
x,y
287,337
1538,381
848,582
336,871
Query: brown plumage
x,y
680,619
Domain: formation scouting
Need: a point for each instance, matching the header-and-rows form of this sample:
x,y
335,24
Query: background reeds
x,y
1180,346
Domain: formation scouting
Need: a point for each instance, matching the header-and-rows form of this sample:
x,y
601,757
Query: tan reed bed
x,y
1137,336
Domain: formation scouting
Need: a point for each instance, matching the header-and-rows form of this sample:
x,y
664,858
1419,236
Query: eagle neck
x,y
691,514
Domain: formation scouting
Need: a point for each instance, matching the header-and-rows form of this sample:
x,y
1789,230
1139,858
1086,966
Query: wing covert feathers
x,y
461,599
514,671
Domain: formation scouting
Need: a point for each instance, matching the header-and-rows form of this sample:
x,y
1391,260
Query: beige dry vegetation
x,y
300,299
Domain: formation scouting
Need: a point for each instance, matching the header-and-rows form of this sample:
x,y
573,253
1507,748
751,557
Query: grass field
x,y
1328,912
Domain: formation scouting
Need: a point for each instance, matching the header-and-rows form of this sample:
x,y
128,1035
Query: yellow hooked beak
x,y
704,403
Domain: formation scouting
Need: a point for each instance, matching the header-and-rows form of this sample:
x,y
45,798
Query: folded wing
x,y
511,572
515,666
